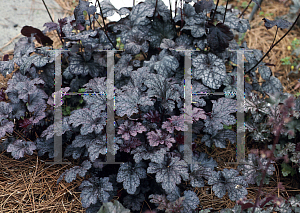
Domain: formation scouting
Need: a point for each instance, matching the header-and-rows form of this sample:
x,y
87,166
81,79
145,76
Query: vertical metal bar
x,y
240,146
110,126
188,153
254,10
57,113
240,107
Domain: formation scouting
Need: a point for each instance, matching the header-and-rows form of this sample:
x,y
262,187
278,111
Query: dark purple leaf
x,y
5,57
39,35
219,36
2,94
204,5
247,205
280,23
159,137
128,129
50,26
24,123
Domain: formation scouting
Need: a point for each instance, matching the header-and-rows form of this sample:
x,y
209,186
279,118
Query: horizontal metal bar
x,y
214,93
93,50
80,93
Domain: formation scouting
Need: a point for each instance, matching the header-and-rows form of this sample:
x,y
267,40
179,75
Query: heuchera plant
x,y
149,91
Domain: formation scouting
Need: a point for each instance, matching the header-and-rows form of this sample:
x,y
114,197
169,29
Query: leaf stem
x,y
245,9
265,170
225,11
52,21
181,17
274,36
171,10
155,8
215,11
175,7
105,29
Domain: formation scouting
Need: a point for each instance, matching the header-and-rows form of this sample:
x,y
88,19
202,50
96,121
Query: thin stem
x,y
265,170
181,17
245,9
48,11
90,22
175,7
215,11
225,11
52,21
155,8
102,16
105,30
275,36
170,10
144,54
100,25
276,43
284,111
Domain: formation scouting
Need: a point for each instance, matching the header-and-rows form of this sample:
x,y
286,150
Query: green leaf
x,y
242,36
119,45
286,61
295,43
81,90
227,127
265,181
81,101
66,111
287,169
244,4
84,13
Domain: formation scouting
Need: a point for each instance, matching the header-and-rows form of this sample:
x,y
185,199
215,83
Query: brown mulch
x,y
29,185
